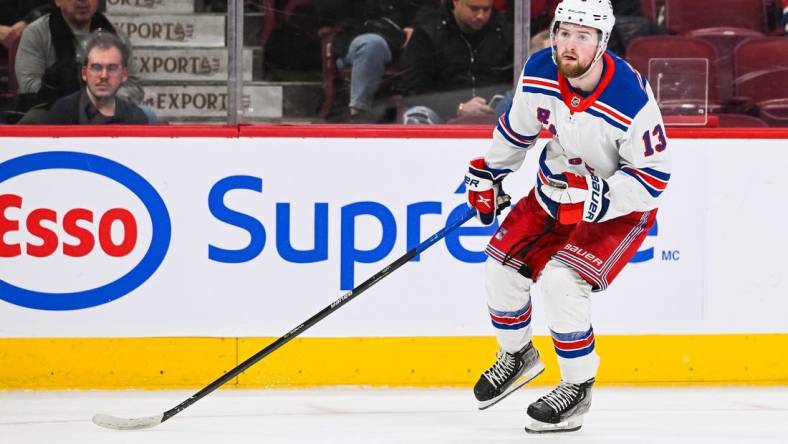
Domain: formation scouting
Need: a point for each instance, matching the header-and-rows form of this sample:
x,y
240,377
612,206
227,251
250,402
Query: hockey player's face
x,y
576,47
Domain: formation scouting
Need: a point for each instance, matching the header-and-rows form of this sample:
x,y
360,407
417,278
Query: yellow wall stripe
x,y
164,363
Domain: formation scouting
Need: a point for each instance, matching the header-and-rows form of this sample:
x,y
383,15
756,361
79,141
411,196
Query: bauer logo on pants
x,y
76,230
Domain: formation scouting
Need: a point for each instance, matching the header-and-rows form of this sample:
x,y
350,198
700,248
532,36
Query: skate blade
x,y
570,425
521,381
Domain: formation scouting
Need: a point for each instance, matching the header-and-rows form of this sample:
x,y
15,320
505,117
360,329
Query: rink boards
x,y
163,259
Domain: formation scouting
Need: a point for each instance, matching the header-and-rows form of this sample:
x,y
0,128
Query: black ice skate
x,y
561,410
510,372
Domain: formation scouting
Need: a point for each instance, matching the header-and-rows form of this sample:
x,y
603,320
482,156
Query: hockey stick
x,y
112,422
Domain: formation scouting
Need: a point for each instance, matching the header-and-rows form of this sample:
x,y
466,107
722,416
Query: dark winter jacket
x,y
76,109
350,16
63,78
442,67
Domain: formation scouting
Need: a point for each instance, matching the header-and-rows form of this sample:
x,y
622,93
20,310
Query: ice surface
x,y
677,415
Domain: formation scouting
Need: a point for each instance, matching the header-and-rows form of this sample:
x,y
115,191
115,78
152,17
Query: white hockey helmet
x,y
596,14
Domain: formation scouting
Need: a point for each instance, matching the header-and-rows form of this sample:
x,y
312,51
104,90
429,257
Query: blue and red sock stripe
x,y
511,320
575,344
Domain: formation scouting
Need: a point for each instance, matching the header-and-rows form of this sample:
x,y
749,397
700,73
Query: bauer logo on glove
x,y
574,198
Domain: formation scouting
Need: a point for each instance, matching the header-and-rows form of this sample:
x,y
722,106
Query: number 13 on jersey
x,y
662,143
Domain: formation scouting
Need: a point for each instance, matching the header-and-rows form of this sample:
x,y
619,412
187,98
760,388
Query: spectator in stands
x,y
371,34
457,58
105,68
49,55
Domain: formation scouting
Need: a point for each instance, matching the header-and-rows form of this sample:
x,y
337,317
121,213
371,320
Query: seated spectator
x,y
104,70
371,35
456,60
49,55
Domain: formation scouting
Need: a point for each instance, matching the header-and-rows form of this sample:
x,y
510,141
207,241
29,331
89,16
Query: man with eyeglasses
x,y
104,70
50,54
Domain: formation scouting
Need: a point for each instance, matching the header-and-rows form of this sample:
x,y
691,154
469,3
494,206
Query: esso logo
x,y
57,255
49,242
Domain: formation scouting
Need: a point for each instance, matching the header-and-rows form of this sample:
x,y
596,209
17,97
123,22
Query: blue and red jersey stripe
x,y
654,181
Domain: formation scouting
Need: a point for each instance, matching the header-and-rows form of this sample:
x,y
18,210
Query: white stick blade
x,y
115,423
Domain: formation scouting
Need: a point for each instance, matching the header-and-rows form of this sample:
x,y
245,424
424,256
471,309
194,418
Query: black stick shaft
x,y
344,299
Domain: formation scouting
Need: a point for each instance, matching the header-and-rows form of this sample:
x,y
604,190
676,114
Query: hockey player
x,y
595,198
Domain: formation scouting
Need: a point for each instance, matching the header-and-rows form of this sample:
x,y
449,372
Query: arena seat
x,y
649,9
678,68
774,112
682,16
761,75
724,40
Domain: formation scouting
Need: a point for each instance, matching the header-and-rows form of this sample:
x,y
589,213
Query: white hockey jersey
x,y
616,132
